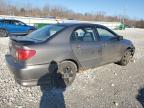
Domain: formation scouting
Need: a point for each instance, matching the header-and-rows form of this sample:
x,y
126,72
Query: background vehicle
x,y
65,48
14,27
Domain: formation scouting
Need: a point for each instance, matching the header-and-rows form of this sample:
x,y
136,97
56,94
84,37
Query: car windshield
x,y
44,33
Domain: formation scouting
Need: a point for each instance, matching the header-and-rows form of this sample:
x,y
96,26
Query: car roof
x,y
78,24
8,20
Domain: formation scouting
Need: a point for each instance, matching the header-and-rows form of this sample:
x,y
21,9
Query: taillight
x,y
23,54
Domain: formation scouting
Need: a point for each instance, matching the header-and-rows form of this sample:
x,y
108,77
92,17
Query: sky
x,y
131,8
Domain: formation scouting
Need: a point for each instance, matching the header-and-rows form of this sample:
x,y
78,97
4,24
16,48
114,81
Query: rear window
x,y
44,33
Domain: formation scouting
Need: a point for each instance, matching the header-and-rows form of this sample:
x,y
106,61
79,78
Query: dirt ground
x,y
109,86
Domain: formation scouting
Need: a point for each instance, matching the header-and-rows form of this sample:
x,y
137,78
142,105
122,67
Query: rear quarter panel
x,y
56,49
2,26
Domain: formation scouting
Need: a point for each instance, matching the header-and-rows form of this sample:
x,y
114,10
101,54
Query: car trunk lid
x,y
18,48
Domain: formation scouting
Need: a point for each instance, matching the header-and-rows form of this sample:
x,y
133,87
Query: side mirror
x,y
120,37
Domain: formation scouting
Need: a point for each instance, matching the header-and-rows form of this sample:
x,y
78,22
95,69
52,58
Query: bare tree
x,y
63,12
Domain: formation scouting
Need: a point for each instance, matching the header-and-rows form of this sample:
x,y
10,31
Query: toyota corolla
x,y
65,49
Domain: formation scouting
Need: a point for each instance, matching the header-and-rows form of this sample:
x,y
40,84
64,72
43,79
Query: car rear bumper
x,y
28,75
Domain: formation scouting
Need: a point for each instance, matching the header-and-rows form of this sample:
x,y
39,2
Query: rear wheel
x,y
3,33
68,71
127,56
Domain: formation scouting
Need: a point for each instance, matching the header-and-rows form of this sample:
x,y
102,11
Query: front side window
x,y
45,32
18,23
85,34
105,35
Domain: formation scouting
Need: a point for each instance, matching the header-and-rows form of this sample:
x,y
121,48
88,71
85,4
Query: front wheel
x,y
68,71
127,56
3,33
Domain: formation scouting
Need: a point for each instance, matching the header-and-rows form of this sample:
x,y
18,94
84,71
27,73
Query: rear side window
x,y
44,33
7,22
84,34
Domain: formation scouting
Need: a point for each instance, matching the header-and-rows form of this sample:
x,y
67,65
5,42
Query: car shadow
x,y
140,96
52,92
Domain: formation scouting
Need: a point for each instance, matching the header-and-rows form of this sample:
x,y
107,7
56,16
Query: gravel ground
x,y
109,86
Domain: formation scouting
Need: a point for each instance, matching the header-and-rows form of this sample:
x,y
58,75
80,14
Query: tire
x,y
68,71
3,33
127,56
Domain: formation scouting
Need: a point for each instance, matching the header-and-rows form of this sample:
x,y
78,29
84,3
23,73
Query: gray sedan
x,y
65,49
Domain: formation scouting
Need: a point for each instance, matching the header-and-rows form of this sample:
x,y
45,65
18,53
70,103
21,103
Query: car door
x,y
86,47
111,46
20,27
8,26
